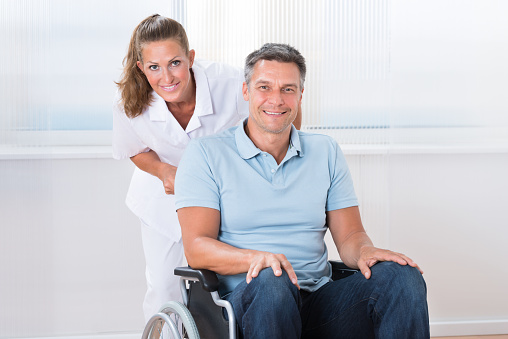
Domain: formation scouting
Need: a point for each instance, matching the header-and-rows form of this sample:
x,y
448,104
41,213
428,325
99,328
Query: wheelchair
x,y
202,314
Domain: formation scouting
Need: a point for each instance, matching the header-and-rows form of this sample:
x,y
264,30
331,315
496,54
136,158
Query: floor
x,y
502,336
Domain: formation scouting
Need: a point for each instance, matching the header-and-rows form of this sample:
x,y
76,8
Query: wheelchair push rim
x,y
167,321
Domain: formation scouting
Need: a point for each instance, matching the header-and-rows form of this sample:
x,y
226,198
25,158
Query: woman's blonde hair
x,y
135,89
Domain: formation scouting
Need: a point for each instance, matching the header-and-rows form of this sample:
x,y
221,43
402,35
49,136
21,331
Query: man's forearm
x,y
200,229
208,253
351,248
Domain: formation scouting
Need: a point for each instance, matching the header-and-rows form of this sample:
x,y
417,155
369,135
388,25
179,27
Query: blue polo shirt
x,y
265,206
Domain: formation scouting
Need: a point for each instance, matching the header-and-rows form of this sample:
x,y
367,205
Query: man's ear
x,y
301,96
245,90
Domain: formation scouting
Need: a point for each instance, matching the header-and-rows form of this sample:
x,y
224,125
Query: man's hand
x,y
370,255
167,176
277,262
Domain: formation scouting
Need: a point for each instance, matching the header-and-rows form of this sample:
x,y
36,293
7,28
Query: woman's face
x,y
167,68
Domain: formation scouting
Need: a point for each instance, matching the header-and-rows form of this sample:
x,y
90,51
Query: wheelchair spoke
x,y
173,321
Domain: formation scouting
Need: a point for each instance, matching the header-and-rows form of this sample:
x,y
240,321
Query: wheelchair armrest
x,y
340,270
207,278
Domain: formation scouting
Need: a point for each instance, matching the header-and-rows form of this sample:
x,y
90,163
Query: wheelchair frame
x,y
200,314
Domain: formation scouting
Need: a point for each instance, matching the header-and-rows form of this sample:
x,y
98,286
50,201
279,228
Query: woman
x,y
166,98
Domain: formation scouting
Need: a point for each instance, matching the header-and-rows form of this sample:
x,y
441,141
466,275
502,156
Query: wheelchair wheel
x,y
165,324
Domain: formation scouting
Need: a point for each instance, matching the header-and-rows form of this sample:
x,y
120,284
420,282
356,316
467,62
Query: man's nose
x,y
276,98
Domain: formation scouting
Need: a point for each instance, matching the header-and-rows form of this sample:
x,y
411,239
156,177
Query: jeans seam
x,y
338,315
376,311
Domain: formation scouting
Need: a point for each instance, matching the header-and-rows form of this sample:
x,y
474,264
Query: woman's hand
x,y
167,176
151,163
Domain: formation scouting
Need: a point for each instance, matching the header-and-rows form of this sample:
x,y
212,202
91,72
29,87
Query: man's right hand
x,y
200,230
262,260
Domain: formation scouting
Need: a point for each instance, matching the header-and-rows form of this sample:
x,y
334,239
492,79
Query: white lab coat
x,y
219,105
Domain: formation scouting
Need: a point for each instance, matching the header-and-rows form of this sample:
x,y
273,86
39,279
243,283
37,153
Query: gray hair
x,y
277,52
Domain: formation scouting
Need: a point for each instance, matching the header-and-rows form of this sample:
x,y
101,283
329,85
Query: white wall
x,y
72,264
71,254
447,212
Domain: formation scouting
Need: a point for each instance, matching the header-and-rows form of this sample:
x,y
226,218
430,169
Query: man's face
x,y
274,95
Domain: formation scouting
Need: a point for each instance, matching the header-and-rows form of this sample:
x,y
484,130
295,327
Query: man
x,y
254,203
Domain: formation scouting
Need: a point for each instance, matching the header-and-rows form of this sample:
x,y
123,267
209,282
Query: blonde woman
x,y
166,98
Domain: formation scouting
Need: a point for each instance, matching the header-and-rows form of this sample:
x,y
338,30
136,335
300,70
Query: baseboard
x,y
474,327
132,335
437,329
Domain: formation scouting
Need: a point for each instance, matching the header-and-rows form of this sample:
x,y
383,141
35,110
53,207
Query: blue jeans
x,y
391,304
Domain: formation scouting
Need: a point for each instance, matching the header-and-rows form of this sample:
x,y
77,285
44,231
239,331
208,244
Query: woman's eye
x,y
175,63
153,67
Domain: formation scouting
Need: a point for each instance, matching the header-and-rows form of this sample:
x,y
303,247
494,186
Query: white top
x,y
219,105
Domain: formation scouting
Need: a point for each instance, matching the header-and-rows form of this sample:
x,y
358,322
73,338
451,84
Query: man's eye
x,y
288,90
263,87
153,67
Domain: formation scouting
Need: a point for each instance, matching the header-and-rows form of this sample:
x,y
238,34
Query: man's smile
x,y
274,113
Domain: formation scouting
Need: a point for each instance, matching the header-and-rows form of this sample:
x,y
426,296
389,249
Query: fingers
x,y
168,186
403,259
411,262
375,255
276,268
255,268
166,174
291,272
276,262
365,269
249,274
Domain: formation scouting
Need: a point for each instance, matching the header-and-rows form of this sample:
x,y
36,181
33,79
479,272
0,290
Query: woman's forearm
x,y
151,163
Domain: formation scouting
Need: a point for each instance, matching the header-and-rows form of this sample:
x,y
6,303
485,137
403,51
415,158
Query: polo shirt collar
x,y
294,142
247,149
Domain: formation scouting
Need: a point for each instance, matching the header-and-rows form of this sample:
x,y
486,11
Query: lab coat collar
x,y
203,98
247,149
159,110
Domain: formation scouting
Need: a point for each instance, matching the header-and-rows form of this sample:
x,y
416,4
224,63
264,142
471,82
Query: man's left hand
x,y
370,255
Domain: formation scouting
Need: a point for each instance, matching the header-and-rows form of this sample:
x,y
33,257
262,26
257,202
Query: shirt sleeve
x,y
195,185
341,193
126,142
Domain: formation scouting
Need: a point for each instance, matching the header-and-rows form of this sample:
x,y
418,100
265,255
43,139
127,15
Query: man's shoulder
x,y
312,138
216,140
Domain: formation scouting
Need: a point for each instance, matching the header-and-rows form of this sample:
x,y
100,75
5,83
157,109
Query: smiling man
x,y
254,203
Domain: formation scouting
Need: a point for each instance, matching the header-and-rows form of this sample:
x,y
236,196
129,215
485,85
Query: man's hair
x,y
277,52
